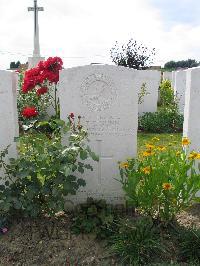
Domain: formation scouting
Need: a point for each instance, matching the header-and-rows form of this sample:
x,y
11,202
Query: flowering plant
x,y
162,181
38,90
45,171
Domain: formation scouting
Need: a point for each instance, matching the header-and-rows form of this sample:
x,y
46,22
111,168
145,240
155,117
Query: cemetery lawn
x,y
165,138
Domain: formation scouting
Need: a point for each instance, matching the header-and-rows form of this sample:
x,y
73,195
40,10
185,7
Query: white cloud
x,y
85,29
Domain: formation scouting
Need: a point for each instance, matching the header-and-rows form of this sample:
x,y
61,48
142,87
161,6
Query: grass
x,y
165,138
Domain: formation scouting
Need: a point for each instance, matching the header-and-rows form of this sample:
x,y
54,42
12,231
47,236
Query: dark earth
x,y
48,241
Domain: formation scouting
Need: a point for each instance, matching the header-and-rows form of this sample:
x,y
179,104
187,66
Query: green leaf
x,y
81,169
67,170
94,156
7,183
81,182
83,155
2,187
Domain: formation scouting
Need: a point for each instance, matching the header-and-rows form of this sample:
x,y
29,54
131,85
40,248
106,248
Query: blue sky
x,y
178,11
83,32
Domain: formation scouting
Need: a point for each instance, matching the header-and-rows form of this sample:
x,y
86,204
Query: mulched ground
x,y
49,242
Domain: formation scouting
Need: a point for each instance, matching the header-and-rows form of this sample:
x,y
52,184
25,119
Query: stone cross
x,y
101,158
35,9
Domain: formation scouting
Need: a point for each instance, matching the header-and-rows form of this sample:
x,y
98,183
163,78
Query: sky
x,y
83,31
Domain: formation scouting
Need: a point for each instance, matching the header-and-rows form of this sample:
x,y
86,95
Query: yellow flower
x,y
146,170
161,148
124,165
155,139
167,186
148,153
149,146
198,156
193,155
178,153
185,141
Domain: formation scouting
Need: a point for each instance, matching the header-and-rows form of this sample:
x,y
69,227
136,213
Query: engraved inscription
x,y
98,92
107,126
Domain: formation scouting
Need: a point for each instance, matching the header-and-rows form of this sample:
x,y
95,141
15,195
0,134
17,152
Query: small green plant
x,y
164,121
189,241
162,181
166,94
137,242
94,217
143,92
44,173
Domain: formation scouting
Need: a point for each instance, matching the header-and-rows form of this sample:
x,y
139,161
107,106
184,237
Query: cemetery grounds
x,y
95,234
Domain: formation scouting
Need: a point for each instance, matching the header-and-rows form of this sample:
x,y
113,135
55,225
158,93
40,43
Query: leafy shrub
x,y
44,173
161,181
164,121
94,216
166,94
137,242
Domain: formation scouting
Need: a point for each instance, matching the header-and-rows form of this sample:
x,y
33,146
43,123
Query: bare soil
x,y
48,241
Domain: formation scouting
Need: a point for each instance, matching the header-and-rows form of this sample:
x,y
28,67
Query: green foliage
x,y
132,55
165,120
166,94
94,217
137,242
44,172
143,92
189,241
161,181
14,65
173,65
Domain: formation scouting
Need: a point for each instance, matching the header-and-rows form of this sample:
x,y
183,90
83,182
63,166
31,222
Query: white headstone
x,y
191,128
8,112
173,78
167,75
179,88
106,98
152,80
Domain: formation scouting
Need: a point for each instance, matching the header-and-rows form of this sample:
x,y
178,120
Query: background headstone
x,y
106,98
179,88
167,75
152,80
8,112
173,78
191,128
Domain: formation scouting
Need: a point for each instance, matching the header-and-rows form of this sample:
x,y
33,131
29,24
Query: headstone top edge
x,y
99,67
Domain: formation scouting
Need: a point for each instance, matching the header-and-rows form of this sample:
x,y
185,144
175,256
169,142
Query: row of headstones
x,y
107,99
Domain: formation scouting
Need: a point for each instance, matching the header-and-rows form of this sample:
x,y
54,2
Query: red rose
x,y
71,115
29,111
42,90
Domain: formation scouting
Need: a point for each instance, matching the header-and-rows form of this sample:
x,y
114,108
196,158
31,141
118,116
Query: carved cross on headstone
x,y
36,9
101,158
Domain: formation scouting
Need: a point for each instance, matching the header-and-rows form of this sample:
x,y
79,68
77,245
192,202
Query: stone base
x,y
33,61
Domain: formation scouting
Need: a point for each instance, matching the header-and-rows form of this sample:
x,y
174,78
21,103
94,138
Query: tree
x,y
181,64
132,55
14,65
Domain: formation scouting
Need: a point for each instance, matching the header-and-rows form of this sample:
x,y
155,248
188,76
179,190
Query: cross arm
x,y
38,9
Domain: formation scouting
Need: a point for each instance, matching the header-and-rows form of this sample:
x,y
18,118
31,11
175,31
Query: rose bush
x,y
38,89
